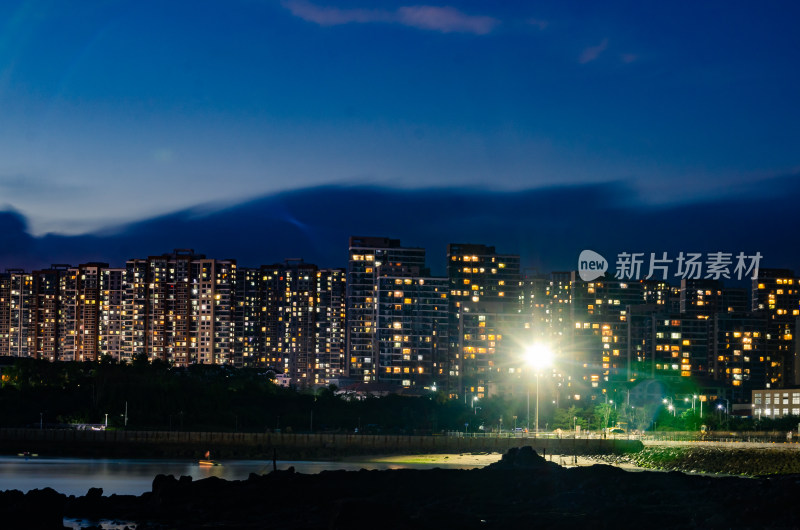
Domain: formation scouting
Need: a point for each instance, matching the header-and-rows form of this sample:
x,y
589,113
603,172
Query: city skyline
x,y
387,319
322,231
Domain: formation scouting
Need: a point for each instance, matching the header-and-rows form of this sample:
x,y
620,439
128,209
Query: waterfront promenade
x,y
266,445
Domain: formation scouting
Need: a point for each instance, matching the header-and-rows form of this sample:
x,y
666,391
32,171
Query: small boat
x,y
27,454
208,461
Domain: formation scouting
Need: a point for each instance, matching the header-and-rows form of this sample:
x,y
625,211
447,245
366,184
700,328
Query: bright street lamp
x,y
538,356
670,405
724,408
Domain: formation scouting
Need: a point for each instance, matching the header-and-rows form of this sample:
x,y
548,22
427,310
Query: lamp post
x,y
670,405
537,356
536,423
725,408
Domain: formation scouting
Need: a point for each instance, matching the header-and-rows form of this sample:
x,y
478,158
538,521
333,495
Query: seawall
x,y
164,444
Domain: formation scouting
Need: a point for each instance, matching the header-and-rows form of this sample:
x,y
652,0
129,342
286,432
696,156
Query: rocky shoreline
x,y
522,489
749,462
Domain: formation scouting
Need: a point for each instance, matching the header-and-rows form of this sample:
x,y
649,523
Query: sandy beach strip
x,y
470,460
463,459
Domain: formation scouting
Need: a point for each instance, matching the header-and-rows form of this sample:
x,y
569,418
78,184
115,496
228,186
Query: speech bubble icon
x,y
591,265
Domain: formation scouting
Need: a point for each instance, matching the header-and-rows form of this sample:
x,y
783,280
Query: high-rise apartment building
x,y
288,300
211,322
134,309
249,336
46,321
598,349
54,314
478,273
179,308
112,291
534,298
776,294
490,345
738,358
330,326
681,346
411,324
290,318
371,258
486,311
16,301
80,312
705,298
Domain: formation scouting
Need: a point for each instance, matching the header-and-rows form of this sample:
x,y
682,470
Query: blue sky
x,y
117,111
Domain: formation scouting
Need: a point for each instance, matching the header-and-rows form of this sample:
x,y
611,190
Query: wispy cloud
x,y
629,58
19,185
442,19
333,16
593,52
541,24
446,20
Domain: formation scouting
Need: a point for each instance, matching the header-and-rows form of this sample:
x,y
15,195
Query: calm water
x,y
74,476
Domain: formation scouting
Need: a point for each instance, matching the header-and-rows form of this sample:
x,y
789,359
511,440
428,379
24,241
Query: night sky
x,y
262,130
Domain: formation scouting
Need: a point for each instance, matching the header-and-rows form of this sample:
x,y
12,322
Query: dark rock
x,y
94,493
162,482
517,492
38,509
522,458
367,513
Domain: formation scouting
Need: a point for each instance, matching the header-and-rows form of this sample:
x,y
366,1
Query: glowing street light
x,y
724,408
537,356
670,405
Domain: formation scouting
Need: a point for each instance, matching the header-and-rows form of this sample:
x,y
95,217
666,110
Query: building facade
x,y
370,259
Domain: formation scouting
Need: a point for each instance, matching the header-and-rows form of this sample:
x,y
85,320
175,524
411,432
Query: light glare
x,y
538,356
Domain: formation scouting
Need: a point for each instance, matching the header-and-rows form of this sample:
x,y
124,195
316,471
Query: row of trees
x,y
215,398
202,398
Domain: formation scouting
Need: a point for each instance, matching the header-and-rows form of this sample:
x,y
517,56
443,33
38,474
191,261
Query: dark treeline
x,y
38,393
203,398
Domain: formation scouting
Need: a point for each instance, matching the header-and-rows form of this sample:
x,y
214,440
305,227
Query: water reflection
x,y
74,476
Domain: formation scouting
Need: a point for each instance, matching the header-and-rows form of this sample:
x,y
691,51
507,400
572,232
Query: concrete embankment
x,y
160,444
